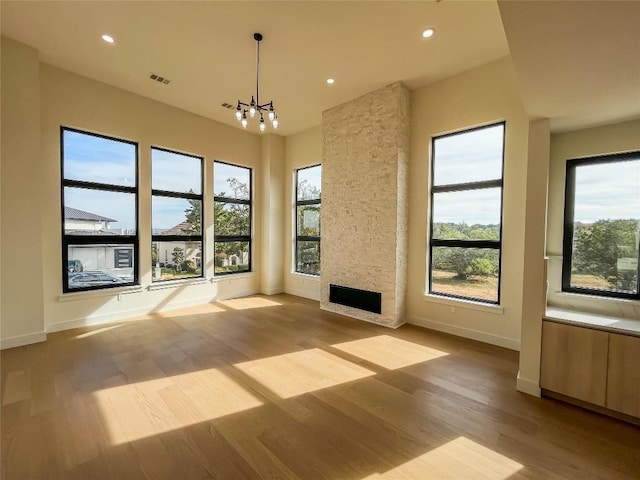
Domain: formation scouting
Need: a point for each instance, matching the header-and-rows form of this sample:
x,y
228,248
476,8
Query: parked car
x,y
74,266
93,278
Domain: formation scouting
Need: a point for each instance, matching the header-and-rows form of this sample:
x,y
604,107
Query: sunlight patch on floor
x,y
297,373
247,303
96,332
459,458
138,410
389,352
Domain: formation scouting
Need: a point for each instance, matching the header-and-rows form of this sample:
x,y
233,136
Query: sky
x,y
313,176
602,191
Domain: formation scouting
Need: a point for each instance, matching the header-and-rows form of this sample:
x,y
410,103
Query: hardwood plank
x,y
275,388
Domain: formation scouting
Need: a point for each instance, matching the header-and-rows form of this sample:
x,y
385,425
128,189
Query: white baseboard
x,y
505,342
526,385
123,315
272,291
304,294
20,340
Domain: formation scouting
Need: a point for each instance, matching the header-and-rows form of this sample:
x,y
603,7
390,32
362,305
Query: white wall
x,y
619,137
301,150
481,96
22,314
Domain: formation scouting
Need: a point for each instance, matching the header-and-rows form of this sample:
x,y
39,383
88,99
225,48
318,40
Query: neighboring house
x,y
81,221
113,258
192,250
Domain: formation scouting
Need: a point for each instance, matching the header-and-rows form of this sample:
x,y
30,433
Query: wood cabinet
x,y
574,362
623,386
592,366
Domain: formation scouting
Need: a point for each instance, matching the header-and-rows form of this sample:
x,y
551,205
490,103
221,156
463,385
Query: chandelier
x,y
254,107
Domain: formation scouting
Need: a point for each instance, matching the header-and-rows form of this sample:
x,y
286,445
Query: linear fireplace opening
x,y
356,298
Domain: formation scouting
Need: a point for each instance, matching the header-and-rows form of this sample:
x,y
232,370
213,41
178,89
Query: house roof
x,y
179,229
75,214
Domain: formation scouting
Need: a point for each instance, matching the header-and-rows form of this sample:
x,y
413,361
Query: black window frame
x,y
68,240
235,238
305,238
155,192
459,187
568,230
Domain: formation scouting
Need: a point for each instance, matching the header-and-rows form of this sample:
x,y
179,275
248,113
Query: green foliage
x,y
189,266
598,246
178,258
465,262
154,254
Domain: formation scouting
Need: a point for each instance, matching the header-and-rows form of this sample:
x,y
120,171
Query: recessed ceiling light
x,y
108,38
330,81
428,32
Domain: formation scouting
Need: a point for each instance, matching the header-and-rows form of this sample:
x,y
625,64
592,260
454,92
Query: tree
x,y
598,246
232,219
193,216
178,258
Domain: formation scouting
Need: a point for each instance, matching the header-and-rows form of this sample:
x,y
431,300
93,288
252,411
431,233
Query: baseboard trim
x,y
303,294
21,340
497,340
126,314
526,385
272,291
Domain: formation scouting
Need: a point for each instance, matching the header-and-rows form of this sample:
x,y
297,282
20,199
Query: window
x,y
176,215
99,211
232,218
308,192
466,214
602,226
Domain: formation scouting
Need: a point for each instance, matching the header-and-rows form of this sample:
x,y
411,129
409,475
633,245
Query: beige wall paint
x,y
22,314
303,149
74,101
533,280
272,214
481,96
619,137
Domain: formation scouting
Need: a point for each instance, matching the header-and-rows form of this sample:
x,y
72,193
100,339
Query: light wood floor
x,y
272,387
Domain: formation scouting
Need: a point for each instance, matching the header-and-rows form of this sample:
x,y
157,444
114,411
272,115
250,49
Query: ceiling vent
x,y
159,79
227,105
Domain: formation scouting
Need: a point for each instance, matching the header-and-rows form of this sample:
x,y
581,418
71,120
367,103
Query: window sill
x,y
597,298
306,276
111,292
164,284
231,276
468,304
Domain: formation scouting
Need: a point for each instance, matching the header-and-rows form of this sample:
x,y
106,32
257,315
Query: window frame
x,y
459,187
155,238
568,230
68,240
234,238
304,238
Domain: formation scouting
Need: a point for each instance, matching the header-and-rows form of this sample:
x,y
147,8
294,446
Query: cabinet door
x,y
574,362
623,388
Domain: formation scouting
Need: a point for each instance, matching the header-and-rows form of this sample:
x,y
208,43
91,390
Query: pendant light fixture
x,y
254,107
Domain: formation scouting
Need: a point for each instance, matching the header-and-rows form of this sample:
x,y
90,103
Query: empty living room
x,y
352,240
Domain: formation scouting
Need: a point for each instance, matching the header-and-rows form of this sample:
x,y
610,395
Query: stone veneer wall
x,y
365,155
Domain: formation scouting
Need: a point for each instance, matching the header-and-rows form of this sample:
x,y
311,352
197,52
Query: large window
x,y
176,215
99,211
308,192
602,226
232,218
466,214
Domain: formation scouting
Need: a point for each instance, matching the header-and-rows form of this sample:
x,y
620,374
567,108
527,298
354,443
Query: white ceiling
x,y
208,52
578,63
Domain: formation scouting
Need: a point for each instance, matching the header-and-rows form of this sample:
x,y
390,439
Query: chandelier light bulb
x,y
256,108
